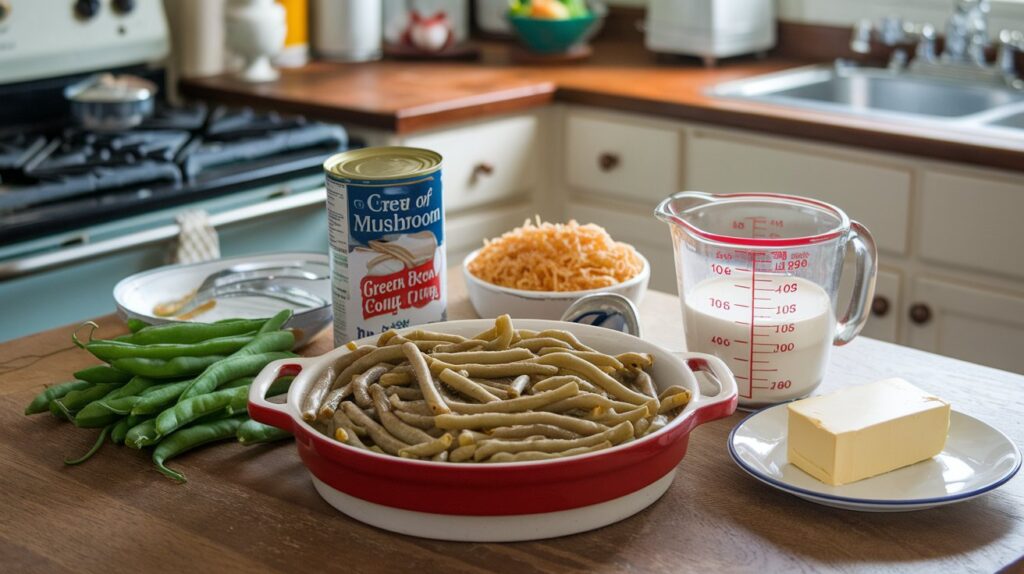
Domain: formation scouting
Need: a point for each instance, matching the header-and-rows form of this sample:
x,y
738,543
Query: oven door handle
x,y
32,264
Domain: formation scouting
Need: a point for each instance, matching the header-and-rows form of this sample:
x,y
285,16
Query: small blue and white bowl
x,y
490,300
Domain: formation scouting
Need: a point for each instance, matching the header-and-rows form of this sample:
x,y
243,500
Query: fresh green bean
x,y
41,403
158,399
170,369
230,369
252,432
233,400
77,400
185,333
97,414
277,321
239,382
57,410
102,374
95,447
136,386
136,325
268,342
117,403
120,431
192,437
142,434
110,350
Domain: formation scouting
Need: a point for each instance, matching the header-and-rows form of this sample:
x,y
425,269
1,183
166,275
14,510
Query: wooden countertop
x,y
254,508
408,96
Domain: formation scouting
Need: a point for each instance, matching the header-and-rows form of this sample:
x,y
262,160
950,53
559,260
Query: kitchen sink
x,y
878,92
1011,121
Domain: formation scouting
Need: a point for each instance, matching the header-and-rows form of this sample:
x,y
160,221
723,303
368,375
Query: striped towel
x,y
197,239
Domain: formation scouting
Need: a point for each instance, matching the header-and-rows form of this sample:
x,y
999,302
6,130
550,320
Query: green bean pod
x,y
177,367
77,400
97,414
142,434
268,342
95,447
57,410
252,432
157,399
188,410
277,321
192,437
185,333
230,369
136,325
120,431
110,350
103,374
41,403
136,386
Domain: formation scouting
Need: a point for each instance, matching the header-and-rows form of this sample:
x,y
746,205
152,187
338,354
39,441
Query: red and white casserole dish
x,y
500,501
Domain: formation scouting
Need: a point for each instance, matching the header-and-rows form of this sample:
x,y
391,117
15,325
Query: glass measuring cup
x,y
758,276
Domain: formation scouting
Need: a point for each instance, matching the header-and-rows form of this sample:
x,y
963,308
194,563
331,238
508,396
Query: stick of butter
x,y
864,431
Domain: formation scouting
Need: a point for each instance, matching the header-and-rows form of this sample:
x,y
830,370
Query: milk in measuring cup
x,y
775,338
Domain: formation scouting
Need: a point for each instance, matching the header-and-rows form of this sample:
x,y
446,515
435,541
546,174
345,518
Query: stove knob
x,y
86,9
123,6
5,9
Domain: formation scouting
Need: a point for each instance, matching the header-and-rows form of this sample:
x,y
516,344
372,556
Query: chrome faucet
x,y
964,55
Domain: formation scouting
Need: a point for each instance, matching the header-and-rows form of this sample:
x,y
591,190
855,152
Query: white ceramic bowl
x,y
138,294
491,300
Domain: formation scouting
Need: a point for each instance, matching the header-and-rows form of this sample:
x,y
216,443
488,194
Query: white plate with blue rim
x,y
976,460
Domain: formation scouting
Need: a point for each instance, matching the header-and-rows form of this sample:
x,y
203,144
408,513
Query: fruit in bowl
x,y
551,26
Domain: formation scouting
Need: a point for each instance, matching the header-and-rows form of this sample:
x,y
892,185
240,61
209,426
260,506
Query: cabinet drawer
x,y
486,162
876,195
622,158
970,323
973,222
649,236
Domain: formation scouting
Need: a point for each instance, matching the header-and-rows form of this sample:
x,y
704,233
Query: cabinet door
x,y
616,155
465,233
876,194
970,323
486,162
973,221
883,322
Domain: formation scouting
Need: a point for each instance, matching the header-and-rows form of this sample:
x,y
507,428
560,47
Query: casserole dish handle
x,y
264,411
723,403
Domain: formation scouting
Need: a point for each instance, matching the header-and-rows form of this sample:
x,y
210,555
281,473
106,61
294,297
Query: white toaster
x,y
710,29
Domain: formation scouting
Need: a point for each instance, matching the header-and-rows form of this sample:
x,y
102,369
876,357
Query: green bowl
x,y
552,36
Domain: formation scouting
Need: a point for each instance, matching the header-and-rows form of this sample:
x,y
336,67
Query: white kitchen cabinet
x,y
884,320
973,220
486,162
967,322
466,232
870,190
621,155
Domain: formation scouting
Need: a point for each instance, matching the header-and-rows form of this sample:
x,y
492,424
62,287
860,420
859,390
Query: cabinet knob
x,y
608,161
920,313
880,306
480,170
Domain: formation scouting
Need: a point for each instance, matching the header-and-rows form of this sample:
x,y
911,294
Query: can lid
x,y
379,163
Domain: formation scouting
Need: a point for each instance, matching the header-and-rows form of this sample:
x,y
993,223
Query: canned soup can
x,y
385,215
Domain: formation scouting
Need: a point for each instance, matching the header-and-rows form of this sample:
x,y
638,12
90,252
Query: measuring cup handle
x,y
864,285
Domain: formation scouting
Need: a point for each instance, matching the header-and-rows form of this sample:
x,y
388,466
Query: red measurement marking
x,y
739,377
740,359
750,356
760,362
767,370
741,322
739,341
741,286
741,305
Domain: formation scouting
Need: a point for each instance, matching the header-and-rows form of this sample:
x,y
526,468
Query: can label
x,y
387,254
